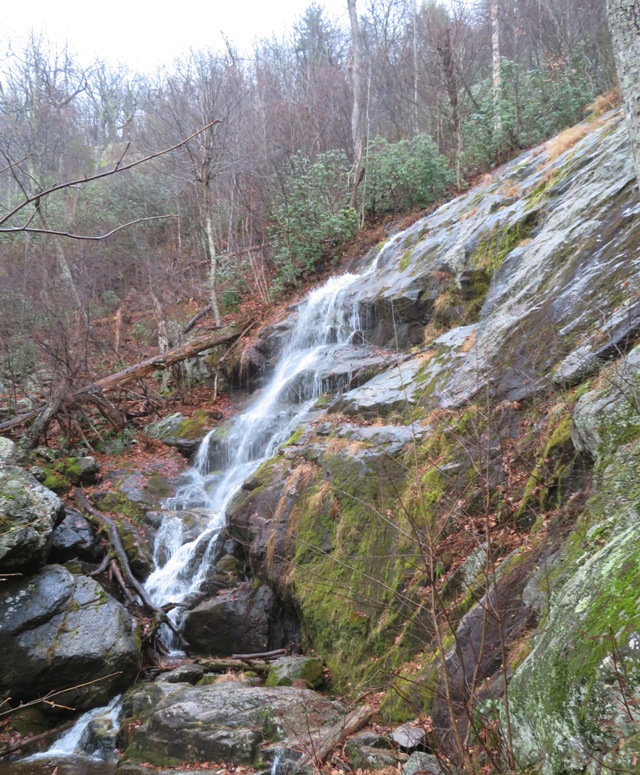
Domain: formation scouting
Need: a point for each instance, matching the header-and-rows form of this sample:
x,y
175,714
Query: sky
x,y
145,33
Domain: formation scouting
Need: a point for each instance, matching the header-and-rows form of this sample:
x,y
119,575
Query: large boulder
x,y
235,621
28,514
227,722
60,631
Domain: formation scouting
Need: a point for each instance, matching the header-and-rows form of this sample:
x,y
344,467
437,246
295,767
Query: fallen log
x,y
222,665
318,750
121,378
262,655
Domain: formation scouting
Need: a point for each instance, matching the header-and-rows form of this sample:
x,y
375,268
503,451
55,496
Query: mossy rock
x,y
286,670
584,667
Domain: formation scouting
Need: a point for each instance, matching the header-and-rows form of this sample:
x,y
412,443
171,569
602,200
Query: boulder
x,y
58,631
74,538
286,670
184,433
227,722
28,513
409,736
235,621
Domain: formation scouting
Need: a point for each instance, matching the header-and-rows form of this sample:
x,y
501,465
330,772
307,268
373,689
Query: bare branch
x,y
93,237
98,176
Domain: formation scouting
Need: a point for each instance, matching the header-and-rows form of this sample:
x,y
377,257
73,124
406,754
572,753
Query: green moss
x,y
56,481
116,502
405,261
497,245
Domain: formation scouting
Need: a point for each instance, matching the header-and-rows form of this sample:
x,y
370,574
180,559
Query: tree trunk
x,y
497,74
624,23
358,102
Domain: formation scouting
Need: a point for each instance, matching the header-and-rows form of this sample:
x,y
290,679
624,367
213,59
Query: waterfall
x,y
77,740
325,332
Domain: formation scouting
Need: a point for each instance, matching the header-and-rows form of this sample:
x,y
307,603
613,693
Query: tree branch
x,y
26,229
90,178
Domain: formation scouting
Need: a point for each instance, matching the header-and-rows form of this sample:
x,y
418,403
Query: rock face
x,y
58,631
519,412
28,514
228,722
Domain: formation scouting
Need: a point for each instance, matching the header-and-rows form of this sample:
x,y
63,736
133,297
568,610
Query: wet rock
x,y
285,670
236,621
58,631
28,513
74,538
396,388
226,722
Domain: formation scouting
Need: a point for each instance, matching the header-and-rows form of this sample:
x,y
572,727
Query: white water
x,y
74,741
327,322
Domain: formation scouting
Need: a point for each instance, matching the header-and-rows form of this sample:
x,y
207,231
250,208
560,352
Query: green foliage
x,y
311,216
403,175
535,105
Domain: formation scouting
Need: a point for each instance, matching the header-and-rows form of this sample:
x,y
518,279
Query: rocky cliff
x,y
461,529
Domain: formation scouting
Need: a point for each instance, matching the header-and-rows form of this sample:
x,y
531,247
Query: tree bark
x,y
497,74
624,23
358,102
321,748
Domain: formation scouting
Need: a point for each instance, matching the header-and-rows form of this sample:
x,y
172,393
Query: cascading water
x,y
326,329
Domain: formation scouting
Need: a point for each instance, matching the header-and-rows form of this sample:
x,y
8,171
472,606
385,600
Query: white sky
x,y
144,33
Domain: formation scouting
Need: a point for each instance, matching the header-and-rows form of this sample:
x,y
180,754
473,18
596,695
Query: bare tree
x,y
357,81
624,22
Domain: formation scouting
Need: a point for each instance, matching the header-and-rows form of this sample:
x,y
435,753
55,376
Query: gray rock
x,y
190,674
236,621
8,452
409,736
183,433
227,722
28,513
285,670
610,414
420,762
84,470
58,631
74,538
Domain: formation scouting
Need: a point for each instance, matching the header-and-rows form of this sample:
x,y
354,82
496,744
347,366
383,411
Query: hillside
x,y
450,525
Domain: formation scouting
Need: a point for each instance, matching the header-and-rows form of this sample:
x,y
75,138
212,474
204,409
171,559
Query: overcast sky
x,y
144,33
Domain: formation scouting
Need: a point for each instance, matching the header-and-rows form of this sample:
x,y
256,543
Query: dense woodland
x,y
294,148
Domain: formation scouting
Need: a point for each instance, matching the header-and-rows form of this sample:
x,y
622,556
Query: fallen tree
x,y
66,398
